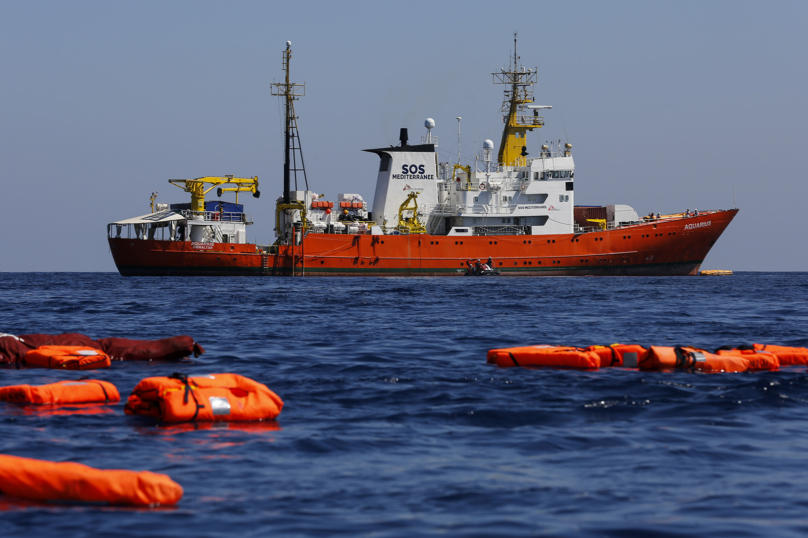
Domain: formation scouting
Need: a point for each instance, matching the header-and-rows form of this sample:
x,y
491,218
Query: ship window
x,y
535,175
560,197
384,166
506,220
569,185
476,198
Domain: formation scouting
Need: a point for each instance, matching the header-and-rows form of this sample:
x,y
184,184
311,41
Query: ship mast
x,y
290,92
513,147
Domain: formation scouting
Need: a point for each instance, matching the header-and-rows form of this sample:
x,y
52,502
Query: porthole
x,y
530,242
553,240
456,243
322,262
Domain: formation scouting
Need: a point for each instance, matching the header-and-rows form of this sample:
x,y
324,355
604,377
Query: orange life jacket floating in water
x,y
788,356
628,355
216,397
66,358
542,355
63,392
666,358
39,480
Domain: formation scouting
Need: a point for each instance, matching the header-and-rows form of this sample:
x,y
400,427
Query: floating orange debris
x,y
215,397
47,481
62,392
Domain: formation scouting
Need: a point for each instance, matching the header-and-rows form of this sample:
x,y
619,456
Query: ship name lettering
x,y
697,225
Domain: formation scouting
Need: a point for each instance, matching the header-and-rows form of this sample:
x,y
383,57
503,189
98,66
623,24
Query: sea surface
x,y
394,425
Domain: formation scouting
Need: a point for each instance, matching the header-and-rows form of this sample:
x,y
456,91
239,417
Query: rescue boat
x,y
427,217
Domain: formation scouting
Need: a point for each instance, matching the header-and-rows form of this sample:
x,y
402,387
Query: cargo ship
x,y
513,208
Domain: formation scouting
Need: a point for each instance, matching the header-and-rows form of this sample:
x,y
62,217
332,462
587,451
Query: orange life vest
x,y
665,358
67,358
63,392
786,355
553,356
216,397
628,355
39,480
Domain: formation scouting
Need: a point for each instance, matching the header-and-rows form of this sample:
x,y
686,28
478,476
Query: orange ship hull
x,y
667,247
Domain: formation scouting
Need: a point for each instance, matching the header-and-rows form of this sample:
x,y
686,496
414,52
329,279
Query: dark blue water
x,y
394,424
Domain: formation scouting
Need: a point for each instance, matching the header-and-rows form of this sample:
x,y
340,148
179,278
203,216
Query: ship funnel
x,y
403,137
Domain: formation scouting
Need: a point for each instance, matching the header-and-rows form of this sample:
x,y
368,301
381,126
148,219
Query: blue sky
x,y
668,106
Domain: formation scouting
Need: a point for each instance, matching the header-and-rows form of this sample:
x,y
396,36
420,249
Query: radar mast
x,y
513,147
290,92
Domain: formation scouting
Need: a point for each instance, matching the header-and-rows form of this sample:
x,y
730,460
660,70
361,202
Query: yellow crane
x,y
197,187
411,224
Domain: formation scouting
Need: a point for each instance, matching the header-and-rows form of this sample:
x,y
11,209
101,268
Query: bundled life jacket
x,y
172,348
788,356
666,358
63,392
543,355
66,358
628,355
216,397
39,480
12,349
66,339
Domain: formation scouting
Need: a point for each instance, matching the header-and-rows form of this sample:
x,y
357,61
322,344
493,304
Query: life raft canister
x,y
39,480
215,397
665,358
788,356
627,355
544,355
66,358
63,392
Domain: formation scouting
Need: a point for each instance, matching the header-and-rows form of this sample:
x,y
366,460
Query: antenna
x,y
458,139
734,201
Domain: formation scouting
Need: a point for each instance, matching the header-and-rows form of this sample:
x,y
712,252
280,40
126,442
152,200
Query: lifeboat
x,y
47,481
667,358
66,358
215,397
543,355
63,392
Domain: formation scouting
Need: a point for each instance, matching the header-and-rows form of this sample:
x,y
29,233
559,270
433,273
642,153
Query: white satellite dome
x,y
488,144
429,123
288,43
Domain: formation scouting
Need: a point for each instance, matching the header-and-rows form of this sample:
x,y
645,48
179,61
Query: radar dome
x,y
288,43
429,123
488,144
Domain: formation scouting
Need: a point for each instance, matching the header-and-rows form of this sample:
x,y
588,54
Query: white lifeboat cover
x,y
151,218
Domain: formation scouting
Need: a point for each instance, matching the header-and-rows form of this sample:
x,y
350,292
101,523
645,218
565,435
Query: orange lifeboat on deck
x,y
215,397
47,481
542,355
63,392
667,358
66,358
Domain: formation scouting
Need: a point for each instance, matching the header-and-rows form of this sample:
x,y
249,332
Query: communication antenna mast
x,y
458,139
290,92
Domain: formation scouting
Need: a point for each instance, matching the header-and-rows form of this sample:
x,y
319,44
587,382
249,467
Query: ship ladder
x,y
265,262
433,223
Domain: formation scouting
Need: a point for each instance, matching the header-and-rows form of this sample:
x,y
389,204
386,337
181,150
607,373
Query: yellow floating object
x,y
716,272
